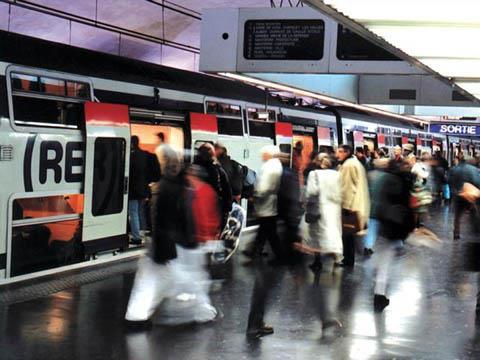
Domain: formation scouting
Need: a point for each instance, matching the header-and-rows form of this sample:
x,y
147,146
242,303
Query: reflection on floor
x,y
431,315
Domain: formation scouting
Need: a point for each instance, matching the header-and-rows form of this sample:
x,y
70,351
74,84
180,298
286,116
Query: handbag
x,y
312,209
350,222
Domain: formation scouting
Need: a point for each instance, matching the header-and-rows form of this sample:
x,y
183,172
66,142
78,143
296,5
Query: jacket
x,y
206,215
375,184
172,221
266,188
139,178
234,173
461,174
355,189
394,212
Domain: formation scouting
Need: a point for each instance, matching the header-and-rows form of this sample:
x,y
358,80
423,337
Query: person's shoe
x,y
136,242
137,325
344,264
380,302
276,262
252,254
367,252
316,266
456,237
258,333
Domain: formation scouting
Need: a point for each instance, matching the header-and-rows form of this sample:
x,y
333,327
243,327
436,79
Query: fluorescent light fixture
x,y
326,99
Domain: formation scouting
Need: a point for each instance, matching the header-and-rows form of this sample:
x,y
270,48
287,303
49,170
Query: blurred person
x,y
375,184
421,195
360,155
396,223
459,175
233,170
397,154
355,200
297,160
217,178
409,153
138,190
440,177
312,165
265,203
171,225
206,215
162,145
289,208
325,234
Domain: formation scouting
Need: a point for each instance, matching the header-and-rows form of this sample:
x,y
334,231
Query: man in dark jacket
x,y
233,170
458,176
138,187
217,178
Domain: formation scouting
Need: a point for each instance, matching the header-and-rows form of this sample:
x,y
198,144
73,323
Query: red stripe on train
x,y
203,122
283,129
104,114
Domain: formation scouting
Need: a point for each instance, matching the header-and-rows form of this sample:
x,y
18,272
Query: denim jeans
x,y
372,233
134,218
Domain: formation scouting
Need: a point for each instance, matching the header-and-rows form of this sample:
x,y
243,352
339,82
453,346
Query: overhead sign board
x,y
290,39
455,129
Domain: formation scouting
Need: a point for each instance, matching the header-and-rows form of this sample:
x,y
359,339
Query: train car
x,y
66,118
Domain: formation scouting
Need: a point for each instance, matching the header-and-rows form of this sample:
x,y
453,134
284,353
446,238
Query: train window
x,y
47,112
108,176
46,206
228,126
49,86
263,129
261,115
223,109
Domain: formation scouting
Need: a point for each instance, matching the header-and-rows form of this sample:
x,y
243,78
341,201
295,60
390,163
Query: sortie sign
x,y
455,129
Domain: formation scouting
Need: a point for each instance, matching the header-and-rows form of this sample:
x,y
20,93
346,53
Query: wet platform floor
x,y
431,315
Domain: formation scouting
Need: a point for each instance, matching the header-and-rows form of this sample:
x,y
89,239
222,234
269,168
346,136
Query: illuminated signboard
x,y
455,129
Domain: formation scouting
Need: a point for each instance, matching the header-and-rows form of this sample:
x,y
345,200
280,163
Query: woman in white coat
x,y
325,234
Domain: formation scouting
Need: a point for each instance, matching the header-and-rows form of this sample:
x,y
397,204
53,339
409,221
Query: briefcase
x,y
350,222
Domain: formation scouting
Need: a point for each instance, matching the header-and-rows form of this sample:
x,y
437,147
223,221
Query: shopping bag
x,y
470,193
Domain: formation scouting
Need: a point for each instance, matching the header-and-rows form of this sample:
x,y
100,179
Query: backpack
x,y
249,179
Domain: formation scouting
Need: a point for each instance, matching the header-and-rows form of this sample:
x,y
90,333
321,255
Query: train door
x,y
325,139
106,177
204,128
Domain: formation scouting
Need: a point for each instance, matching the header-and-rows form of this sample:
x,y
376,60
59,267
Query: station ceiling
x,y
442,35
158,31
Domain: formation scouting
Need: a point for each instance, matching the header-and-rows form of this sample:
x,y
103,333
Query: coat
x,y
326,233
461,174
206,215
234,173
354,187
172,221
266,188
139,175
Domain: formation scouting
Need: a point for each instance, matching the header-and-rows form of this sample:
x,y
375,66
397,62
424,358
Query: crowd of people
x,y
322,209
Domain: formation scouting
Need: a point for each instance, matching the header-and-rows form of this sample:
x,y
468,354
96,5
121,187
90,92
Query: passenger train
x,y
66,117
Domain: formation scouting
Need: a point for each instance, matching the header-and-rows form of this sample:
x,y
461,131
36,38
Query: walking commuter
x,y
375,184
217,178
312,165
355,201
265,203
289,208
396,223
233,170
360,155
325,229
397,154
297,160
459,175
138,190
171,225
206,214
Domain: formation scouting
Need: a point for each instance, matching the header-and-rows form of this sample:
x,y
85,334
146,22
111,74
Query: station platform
x,y
431,314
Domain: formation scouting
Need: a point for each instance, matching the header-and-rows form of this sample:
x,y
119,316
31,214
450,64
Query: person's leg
x,y
348,249
134,218
381,280
141,215
458,208
261,290
372,233
256,247
152,284
273,238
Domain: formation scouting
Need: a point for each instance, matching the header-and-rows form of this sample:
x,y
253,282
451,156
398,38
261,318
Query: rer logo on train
x,y
57,161
455,129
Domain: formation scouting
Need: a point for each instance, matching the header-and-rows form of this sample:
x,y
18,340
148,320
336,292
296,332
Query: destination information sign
x,y
455,129
287,39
